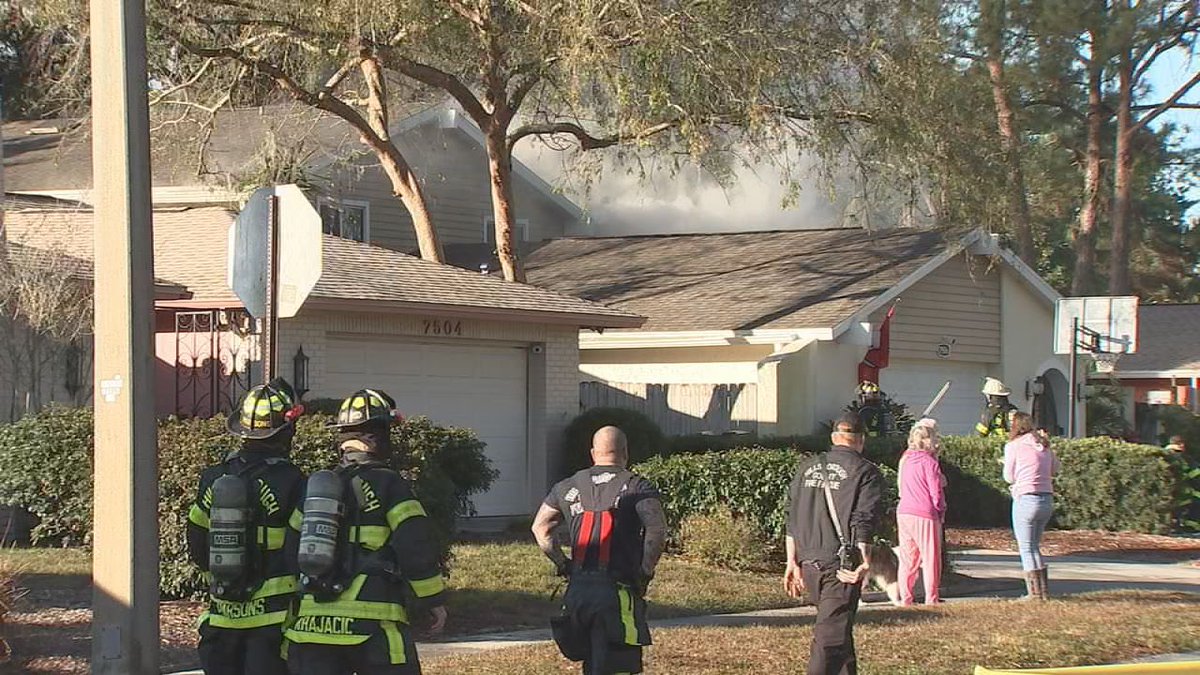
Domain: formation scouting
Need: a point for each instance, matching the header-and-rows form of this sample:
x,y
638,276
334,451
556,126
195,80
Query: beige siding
x,y
453,171
679,365
959,305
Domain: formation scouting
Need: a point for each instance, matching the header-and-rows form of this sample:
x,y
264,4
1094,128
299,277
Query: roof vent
x,y
483,268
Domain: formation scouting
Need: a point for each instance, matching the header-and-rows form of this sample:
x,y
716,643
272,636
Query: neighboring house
x,y
463,348
246,148
1166,368
763,331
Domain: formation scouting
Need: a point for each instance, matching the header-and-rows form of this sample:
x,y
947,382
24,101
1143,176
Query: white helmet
x,y
994,387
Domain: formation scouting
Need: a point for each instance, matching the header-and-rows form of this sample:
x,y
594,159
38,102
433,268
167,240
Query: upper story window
x,y
489,230
347,219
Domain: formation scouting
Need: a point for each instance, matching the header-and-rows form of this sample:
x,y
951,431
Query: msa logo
x,y
325,530
227,539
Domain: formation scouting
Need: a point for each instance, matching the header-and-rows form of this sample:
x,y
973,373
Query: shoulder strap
x,y
833,513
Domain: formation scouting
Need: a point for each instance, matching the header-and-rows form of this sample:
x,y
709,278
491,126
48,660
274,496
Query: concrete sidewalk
x,y
1083,574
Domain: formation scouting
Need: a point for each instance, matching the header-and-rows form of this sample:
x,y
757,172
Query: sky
x,y
1170,71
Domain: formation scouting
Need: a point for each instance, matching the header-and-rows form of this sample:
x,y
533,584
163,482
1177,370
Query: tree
x,y
1144,32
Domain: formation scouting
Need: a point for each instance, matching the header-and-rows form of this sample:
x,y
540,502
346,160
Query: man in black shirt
x,y
835,501
618,530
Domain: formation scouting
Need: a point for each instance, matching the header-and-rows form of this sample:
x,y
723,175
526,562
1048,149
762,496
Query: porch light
x,y
300,372
1035,387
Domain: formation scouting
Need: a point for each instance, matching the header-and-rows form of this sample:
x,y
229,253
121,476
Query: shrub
x,y
724,539
645,438
447,467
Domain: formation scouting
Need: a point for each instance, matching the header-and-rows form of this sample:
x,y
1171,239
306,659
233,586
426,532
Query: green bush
x,y
724,539
645,438
447,467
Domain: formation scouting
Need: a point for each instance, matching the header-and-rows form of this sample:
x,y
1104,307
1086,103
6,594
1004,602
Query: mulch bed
x,y
1087,543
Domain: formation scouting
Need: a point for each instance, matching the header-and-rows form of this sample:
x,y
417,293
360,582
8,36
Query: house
x,y
463,348
1165,370
764,331
194,165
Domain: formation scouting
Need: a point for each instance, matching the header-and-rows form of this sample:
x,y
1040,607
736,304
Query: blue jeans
x,y
1030,514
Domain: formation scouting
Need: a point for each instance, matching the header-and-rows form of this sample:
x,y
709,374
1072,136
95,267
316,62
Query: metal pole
x,y
271,321
125,548
1073,397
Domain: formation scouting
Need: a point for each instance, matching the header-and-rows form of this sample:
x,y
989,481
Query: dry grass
x,y
1082,630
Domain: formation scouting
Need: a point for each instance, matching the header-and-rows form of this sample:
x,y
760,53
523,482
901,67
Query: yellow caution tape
x,y
1192,667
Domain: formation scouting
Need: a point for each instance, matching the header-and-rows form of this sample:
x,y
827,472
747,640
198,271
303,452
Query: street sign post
x,y
274,259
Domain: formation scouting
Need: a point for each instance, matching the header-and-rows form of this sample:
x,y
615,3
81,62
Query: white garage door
x,y
482,388
915,383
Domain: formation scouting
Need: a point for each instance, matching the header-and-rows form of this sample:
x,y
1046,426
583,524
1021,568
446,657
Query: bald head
x,y
610,447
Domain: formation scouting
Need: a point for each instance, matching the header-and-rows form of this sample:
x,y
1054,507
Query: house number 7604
x,y
442,327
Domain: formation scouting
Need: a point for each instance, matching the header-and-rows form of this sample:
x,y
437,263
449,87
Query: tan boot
x,y
1031,586
1043,584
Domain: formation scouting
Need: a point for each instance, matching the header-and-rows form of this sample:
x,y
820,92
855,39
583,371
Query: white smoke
x,y
624,194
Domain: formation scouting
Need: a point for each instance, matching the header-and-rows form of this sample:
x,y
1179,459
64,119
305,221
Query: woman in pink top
x,y
1029,468
921,513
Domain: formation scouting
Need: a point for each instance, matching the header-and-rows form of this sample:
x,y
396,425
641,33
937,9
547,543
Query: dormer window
x,y
489,230
346,218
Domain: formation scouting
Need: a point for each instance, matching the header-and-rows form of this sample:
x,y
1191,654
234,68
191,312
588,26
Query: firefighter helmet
x,y
365,406
266,410
867,389
994,387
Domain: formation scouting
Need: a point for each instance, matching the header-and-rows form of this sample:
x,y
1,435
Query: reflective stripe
x,y
258,621
372,537
403,511
197,516
427,587
323,639
395,640
296,519
272,537
276,586
627,620
981,427
348,606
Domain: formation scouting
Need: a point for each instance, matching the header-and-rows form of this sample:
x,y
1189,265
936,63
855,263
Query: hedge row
x,y
46,467
1104,483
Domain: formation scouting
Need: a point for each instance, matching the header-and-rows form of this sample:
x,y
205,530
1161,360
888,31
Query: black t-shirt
x,y
600,507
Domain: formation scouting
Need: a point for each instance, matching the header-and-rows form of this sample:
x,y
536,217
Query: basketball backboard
x,y
1112,318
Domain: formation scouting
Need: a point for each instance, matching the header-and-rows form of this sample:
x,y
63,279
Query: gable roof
x,y
54,156
190,249
794,279
1166,343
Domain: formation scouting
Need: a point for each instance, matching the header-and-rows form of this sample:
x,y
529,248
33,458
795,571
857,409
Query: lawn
x,y
1081,630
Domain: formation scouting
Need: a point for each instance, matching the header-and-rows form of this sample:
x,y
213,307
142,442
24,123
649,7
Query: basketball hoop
x,y
1106,362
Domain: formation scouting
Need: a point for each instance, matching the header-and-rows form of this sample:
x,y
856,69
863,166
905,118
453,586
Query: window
x,y
346,219
489,230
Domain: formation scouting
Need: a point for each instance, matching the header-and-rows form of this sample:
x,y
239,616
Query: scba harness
x,y
237,516
328,559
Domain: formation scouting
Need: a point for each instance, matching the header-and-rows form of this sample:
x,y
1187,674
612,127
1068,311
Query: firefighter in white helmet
x,y
997,412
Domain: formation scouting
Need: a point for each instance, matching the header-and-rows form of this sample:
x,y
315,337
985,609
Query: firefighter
x,y
873,410
236,534
998,411
365,547
617,530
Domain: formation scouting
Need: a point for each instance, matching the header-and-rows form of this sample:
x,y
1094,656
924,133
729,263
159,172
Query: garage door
x,y
915,383
482,388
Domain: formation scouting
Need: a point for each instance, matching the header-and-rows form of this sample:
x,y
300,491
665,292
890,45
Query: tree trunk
x,y
500,171
405,185
1083,281
1119,282
1018,203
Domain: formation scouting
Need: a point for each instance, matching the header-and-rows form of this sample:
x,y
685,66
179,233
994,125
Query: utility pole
x,y
125,560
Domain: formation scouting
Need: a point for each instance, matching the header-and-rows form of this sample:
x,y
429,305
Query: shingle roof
x,y
72,267
190,249
735,281
55,154
1167,340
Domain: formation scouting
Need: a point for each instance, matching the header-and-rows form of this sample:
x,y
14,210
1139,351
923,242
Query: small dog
x,y
885,571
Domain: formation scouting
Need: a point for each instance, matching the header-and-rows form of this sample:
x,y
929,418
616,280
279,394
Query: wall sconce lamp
x,y
300,372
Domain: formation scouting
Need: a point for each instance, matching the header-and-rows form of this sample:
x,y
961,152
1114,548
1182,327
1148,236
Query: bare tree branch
x,y
586,140
393,58
1166,105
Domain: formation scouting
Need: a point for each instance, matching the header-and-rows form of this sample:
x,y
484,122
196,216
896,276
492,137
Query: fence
x,y
679,409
